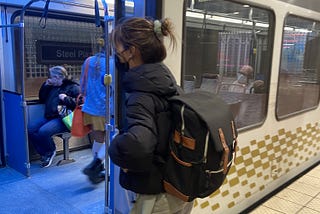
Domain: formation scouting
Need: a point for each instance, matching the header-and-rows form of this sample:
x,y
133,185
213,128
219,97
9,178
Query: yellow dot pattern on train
x,y
264,161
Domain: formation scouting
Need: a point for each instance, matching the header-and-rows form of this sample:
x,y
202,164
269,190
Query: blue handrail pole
x,y
108,126
23,103
22,66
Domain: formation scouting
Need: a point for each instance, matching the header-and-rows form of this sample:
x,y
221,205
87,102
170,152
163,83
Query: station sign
x,y
49,52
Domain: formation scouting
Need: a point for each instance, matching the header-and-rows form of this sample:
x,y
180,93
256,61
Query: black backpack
x,y
201,147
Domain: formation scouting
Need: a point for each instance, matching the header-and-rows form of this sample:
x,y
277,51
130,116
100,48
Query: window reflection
x,y
298,88
228,52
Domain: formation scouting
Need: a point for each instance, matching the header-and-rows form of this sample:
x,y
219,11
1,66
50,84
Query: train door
x,y
16,142
14,132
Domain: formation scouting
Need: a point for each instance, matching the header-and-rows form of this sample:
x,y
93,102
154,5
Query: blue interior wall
x,y
2,160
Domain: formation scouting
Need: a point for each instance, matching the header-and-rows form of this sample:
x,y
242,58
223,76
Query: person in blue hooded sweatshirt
x,y
94,109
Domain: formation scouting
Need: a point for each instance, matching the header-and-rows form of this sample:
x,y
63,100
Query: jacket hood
x,y
151,78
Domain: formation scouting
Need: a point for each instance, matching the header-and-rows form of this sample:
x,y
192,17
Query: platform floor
x,y
300,197
46,191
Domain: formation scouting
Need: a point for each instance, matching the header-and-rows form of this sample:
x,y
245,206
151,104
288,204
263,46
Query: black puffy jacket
x,y
49,95
134,148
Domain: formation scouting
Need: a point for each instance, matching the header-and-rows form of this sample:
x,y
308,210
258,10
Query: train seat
x,y
38,109
189,83
210,82
65,136
232,87
64,141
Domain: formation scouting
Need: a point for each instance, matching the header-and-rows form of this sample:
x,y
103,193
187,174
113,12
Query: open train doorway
x,y
64,28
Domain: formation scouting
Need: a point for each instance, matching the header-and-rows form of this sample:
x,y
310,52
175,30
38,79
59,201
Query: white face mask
x,y
242,79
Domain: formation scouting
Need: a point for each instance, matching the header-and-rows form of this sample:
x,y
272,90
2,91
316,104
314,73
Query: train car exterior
x,y
284,141
277,113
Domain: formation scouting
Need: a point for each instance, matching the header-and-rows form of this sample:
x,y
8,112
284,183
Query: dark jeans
x,y
40,134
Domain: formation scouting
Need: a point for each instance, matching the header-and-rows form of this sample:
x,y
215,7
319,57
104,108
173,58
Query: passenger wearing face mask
x,y
138,43
243,79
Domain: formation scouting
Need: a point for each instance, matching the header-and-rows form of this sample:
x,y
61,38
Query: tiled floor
x,y
300,197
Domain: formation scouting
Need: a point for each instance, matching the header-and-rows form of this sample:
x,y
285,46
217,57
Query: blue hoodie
x,y
93,88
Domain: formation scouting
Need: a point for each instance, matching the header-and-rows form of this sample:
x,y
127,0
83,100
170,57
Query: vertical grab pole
x,y
108,127
24,103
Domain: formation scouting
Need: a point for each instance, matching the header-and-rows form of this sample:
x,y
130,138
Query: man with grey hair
x,y
242,83
55,91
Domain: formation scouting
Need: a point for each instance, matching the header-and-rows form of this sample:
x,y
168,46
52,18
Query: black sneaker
x,y
46,162
43,158
94,168
97,178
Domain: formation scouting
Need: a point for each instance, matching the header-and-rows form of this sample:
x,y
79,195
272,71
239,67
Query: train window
x,y
64,42
228,52
298,88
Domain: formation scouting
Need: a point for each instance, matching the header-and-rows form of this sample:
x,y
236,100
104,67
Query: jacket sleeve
x,y
72,94
134,149
44,92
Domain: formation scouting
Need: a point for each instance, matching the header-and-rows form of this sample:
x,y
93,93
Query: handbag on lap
x,y
67,120
78,128
66,115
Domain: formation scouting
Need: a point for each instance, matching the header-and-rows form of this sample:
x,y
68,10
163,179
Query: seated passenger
x,y
243,80
56,90
258,87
